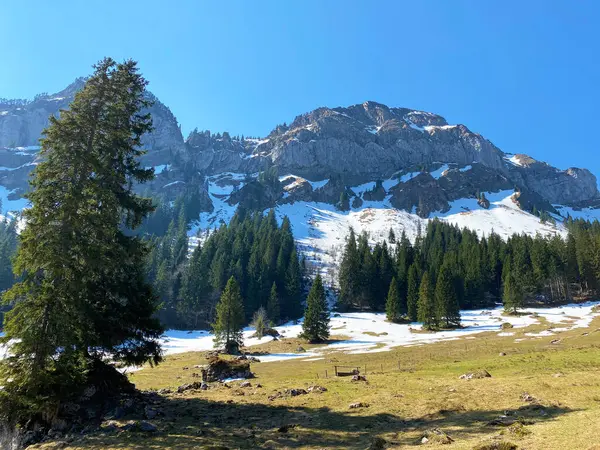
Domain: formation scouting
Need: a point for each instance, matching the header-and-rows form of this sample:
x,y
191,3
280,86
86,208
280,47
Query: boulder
x,y
219,369
479,374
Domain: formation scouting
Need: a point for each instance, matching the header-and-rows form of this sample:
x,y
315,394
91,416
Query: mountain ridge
x,y
361,143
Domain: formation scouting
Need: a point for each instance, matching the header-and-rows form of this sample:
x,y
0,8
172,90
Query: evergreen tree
x,y
446,300
273,311
513,293
230,318
392,305
260,322
412,299
316,317
83,293
427,313
392,236
349,273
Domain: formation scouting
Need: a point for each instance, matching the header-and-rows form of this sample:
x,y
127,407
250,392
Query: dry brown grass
x,y
418,390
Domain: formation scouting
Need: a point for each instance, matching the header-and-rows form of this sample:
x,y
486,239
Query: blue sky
x,y
525,74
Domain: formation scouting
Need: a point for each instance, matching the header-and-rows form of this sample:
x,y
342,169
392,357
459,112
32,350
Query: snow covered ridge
x,y
370,332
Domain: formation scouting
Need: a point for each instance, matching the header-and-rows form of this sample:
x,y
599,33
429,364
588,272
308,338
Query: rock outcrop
x,y
346,146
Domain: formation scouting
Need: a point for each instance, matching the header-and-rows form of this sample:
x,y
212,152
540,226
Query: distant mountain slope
x,y
368,165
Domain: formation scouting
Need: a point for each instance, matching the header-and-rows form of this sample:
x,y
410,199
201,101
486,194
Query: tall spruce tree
x,y
512,296
230,318
412,296
316,317
427,311
446,300
83,293
392,304
273,311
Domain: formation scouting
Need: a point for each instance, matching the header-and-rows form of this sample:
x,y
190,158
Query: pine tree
x,y
83,293
230,318
392,304
446,300
273,311
412,296
426,309
392,236
513,293
316,317
349,274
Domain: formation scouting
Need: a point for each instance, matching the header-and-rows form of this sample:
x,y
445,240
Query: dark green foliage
x,y
259,253
413,293
392,304
427,313
446,300
476,269
316,317
83,292
273,310
229,319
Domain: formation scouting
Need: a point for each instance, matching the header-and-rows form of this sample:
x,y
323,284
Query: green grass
x,y
410,390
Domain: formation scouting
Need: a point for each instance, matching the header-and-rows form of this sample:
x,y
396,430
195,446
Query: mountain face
x,y
413,160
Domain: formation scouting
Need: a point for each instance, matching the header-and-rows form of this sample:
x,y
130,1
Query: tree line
x,y
447,269
253,248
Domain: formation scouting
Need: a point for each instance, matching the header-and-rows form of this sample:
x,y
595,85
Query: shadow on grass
x,y
198,423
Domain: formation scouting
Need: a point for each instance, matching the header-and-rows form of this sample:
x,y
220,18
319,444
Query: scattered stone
x,y
555,341
295,392
189,386
258,385
151,413
358,405
451,390
507,326
164,391
358,378
479,374
316,388
143,426
528,398
436,436
501,354
377,444
300,349
245,384
558,375
286,428
186,368
109,427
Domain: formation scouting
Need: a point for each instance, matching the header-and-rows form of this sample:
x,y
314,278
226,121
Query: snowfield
x,y
370,332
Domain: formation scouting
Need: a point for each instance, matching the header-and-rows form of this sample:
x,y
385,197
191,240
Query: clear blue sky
x,y
525,74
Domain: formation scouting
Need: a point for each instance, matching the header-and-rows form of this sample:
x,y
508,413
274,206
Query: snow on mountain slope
x,y
503,217
321,229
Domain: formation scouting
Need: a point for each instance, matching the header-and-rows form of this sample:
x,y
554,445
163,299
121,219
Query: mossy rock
x,y
507,326
436,436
